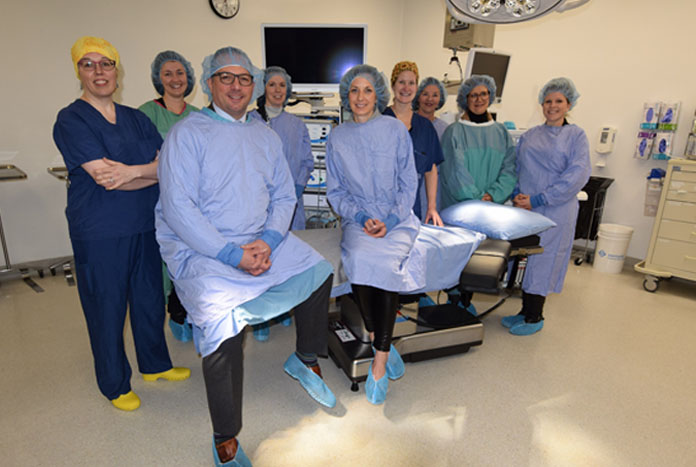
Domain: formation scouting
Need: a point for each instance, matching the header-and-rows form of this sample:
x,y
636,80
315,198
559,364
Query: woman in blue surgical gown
x,y
479,153
292,131
371,181
553,163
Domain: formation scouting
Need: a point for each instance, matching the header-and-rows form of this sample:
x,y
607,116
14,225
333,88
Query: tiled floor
x,y
610,381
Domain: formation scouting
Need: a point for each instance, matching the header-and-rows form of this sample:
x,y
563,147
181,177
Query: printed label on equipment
x,y
343,334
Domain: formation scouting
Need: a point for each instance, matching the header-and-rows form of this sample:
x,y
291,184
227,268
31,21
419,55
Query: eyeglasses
x,y
482,95
89,65
245,79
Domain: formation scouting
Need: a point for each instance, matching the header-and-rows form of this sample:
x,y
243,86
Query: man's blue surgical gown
x,y
223,182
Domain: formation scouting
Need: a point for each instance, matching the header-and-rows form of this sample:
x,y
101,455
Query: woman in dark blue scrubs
x,y
110,152
426,144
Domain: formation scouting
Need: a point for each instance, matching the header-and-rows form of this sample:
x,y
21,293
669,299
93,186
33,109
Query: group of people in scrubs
x,y
215,201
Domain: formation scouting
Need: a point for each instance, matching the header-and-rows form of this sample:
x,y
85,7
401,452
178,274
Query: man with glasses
x,y
227,198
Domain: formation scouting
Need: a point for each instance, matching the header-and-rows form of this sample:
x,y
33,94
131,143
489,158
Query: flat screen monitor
x,y
315,55
488,62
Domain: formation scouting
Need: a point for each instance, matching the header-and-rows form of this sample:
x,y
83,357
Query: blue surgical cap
x,y
171,56
563,85
425,83
471,83
376,79
272,71
230,56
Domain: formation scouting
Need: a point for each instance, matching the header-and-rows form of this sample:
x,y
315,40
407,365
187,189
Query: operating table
x,y
419,333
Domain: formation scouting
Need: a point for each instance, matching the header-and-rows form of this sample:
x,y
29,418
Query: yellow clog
x,y
175,374
128,402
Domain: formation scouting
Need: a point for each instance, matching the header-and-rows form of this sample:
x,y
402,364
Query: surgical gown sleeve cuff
x,y
391,221
272,238
537,200
298,190
230,254
515,192
362,217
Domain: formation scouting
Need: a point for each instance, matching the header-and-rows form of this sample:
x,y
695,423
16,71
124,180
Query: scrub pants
x,y
112,275
223,370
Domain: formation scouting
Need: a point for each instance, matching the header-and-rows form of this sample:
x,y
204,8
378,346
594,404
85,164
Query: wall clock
x,y
225,8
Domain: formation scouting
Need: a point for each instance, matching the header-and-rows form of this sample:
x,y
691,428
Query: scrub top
x,y
371,171
297,148
553,162
426,151
479,159
227,182
163,118
82,134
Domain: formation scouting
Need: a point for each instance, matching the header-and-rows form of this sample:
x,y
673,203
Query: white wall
x,y
613,56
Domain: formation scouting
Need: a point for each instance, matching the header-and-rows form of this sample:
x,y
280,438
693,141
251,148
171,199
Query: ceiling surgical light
x,y
506,11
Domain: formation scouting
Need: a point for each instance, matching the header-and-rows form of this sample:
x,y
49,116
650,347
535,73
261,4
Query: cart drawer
x,y
677,231
679,211
675,254
684,175
682,191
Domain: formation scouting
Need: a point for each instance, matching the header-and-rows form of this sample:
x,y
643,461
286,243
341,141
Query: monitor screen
x,y
491,63
314,55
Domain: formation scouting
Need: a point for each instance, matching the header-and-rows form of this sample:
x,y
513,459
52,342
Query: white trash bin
x,y
612,244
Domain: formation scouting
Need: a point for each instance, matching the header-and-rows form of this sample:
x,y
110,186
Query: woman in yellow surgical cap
x,y
110,152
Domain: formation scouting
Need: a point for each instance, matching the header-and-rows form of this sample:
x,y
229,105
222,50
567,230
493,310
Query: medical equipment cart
x,y
672,251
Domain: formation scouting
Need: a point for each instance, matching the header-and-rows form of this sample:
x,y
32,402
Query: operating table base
x,y
431,332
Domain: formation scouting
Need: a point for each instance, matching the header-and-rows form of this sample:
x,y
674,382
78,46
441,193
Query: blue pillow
x,y
495,220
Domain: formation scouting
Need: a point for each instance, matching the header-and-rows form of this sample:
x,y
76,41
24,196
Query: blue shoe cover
x,y
240,459
261,332
376,391
510,321
426,301
526,329
395,365
471,309
309,380
181,332
286,320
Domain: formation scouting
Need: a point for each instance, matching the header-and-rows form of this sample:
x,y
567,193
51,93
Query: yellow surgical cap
x,y
403,66
87,44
